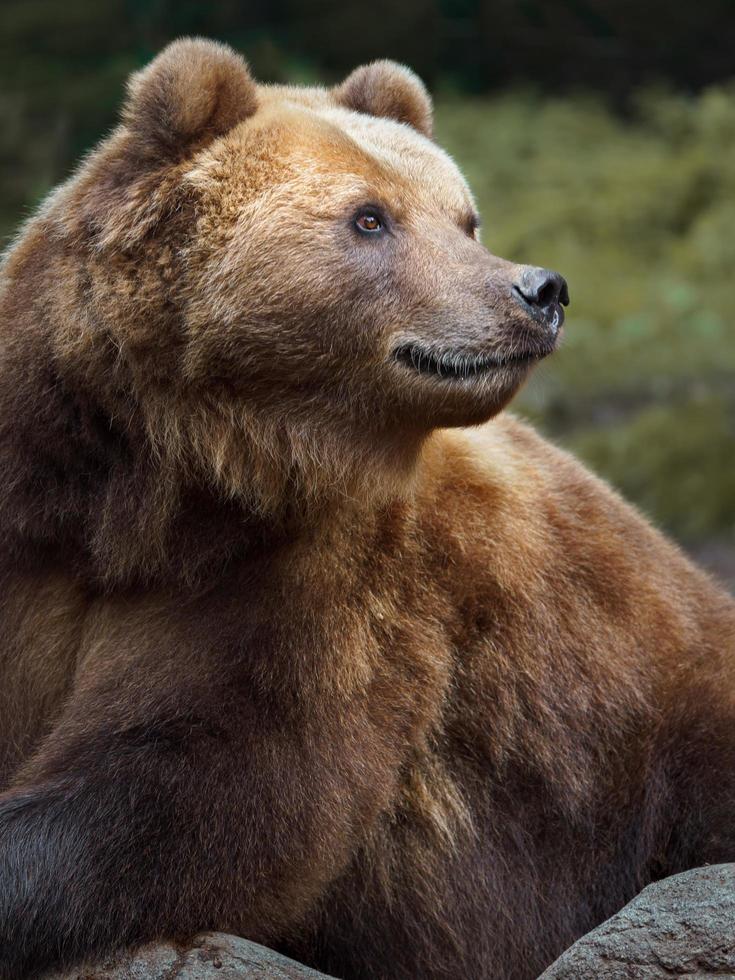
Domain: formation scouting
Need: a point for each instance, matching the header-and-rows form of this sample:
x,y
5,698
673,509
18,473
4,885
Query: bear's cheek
x,y
324,313
293,332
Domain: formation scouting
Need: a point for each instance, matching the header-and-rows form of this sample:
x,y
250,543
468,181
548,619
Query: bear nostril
x,y
542,288
548,294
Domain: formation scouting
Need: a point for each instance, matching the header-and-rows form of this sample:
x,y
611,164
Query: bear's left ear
x,y
385,88
193,92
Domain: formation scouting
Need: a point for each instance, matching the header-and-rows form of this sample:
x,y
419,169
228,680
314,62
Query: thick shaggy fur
x,y
285,650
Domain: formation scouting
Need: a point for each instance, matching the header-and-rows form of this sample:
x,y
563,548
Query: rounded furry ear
x,y
385,88
194,91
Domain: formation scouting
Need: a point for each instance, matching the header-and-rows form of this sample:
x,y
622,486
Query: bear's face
x,y
339,263
281,287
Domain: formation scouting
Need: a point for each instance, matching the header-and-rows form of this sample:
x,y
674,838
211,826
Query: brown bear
x,y
292,645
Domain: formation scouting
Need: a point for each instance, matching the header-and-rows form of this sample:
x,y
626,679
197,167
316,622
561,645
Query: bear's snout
x,y
542,293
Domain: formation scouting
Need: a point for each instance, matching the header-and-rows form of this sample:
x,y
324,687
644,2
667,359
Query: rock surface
x,y
212,956
683,926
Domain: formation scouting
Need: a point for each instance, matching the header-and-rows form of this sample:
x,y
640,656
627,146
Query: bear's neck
x,y
174,497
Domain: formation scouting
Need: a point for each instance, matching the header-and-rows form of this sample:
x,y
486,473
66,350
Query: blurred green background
x,y
599,138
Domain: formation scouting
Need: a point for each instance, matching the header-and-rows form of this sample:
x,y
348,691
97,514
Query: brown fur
x,y
285,651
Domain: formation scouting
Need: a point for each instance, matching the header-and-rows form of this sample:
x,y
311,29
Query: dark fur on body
x,y
281,655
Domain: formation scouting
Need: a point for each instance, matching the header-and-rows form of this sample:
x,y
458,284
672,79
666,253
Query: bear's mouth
x,y
456,364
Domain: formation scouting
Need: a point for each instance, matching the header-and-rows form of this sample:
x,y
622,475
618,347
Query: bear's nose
x,y
543,291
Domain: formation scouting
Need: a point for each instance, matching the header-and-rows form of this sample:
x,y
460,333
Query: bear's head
x,y
277,291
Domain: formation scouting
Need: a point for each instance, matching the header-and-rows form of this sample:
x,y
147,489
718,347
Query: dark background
x,y
599,138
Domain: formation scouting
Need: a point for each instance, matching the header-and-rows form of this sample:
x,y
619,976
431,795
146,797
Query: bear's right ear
x,y
193,92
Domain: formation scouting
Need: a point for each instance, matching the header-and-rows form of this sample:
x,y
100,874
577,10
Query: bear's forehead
x,y
302,132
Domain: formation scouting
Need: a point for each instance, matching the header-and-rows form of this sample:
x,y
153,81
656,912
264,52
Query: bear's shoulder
x,y
515,505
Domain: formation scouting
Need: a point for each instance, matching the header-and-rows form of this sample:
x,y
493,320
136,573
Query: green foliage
x,y
675,461
639,215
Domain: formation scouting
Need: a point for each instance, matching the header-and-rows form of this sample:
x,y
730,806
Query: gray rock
x,y
211,956
680,926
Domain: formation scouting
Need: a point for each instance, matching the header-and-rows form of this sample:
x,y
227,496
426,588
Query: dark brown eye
x,y
369,223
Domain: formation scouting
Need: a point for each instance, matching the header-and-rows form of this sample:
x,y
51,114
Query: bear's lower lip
x,y
456,364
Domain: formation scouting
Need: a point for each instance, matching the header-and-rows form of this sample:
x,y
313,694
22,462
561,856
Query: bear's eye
x,y
368,222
